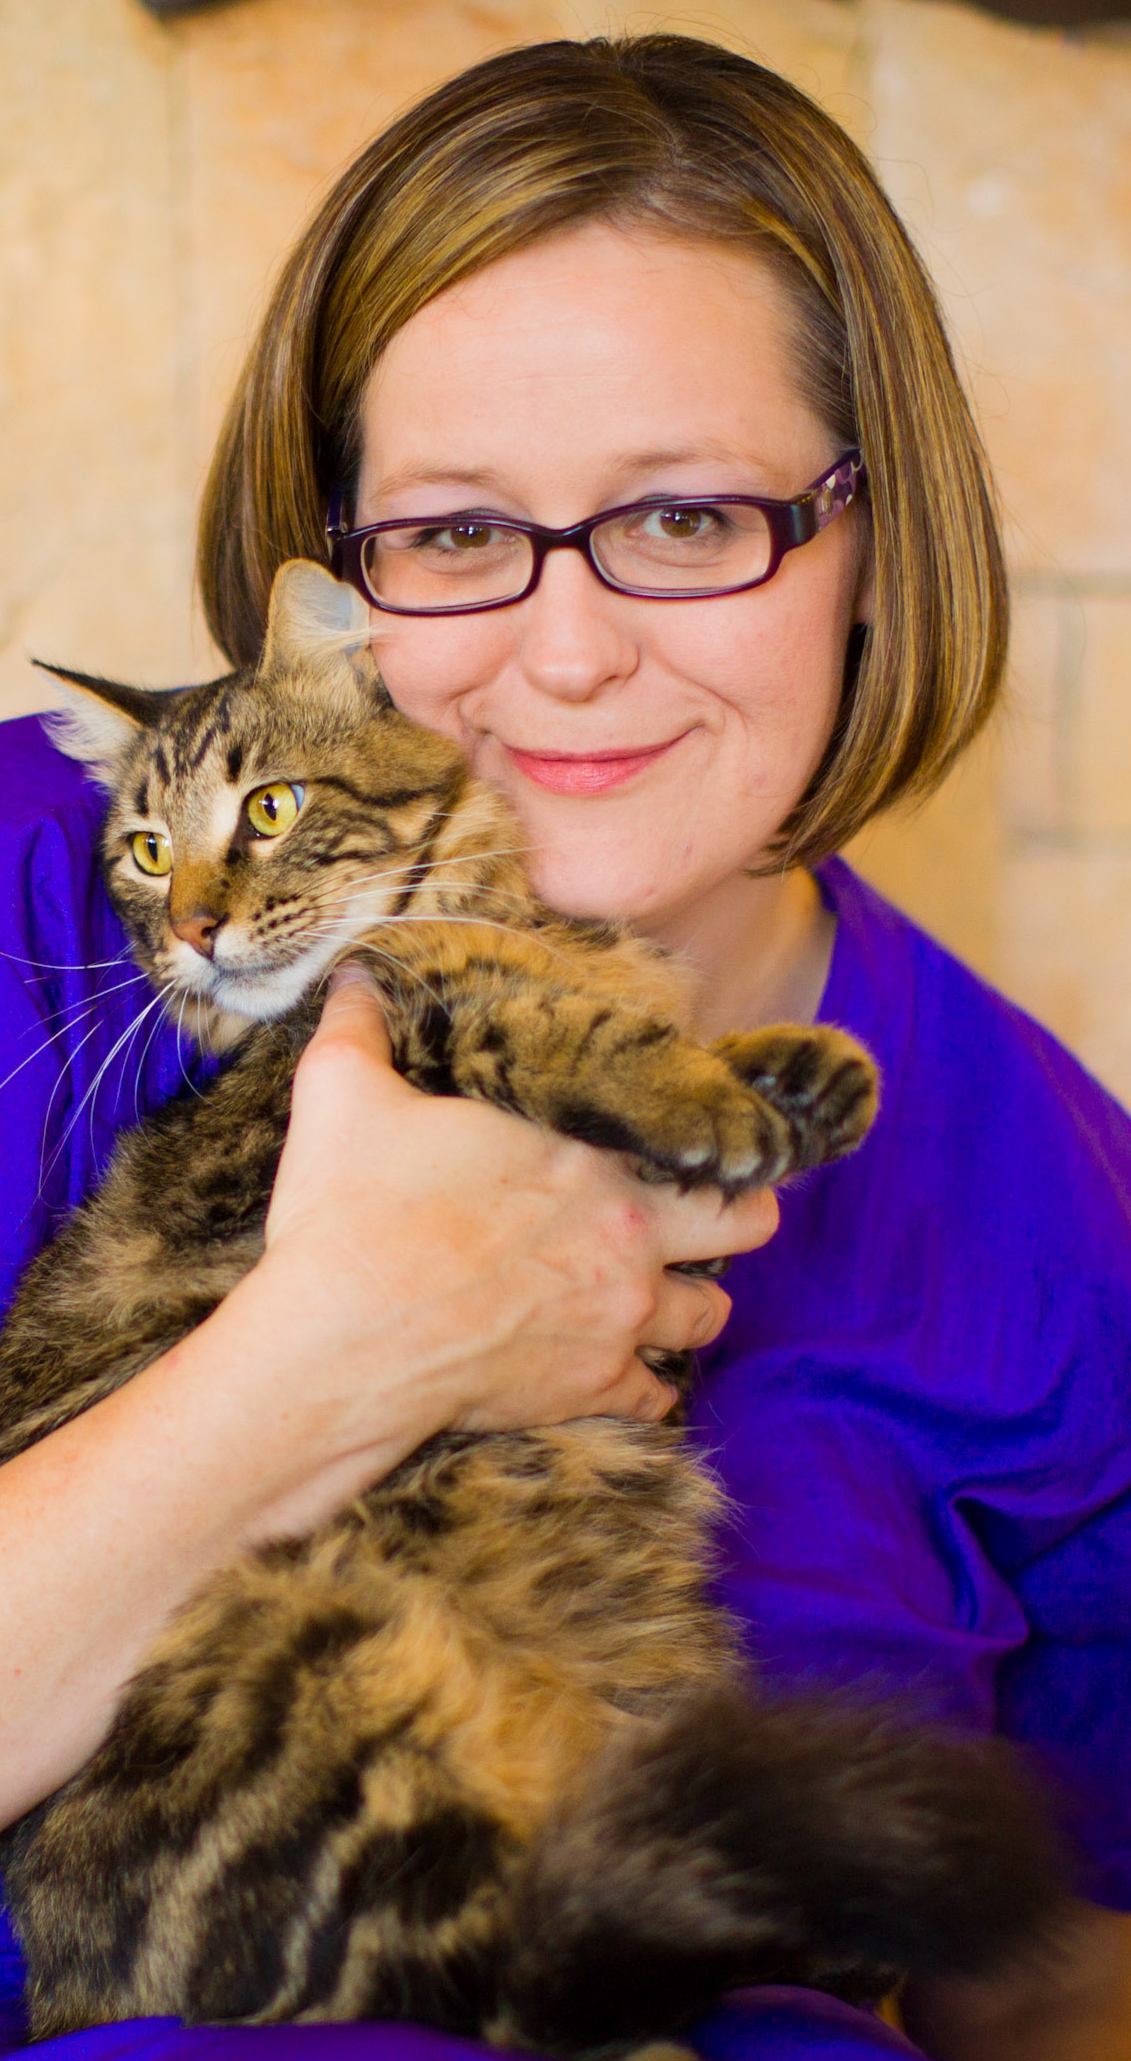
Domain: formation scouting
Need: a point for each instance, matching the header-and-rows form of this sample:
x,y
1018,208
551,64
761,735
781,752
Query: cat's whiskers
x,y
140,1068
514,850
75,1011
379,952
406,916
446,916
61,966
186,997
44,1047
78,1012
348,916
124,1043
56,1085
69,1014
424,868
89,1097
367,944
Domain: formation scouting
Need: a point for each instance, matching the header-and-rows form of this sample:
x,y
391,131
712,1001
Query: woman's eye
x,y
272,809
463,537
468,536
152,852
683,525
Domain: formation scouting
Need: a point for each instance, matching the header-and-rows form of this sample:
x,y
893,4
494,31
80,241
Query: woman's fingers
x,y
639,1396
689,1314
702,1226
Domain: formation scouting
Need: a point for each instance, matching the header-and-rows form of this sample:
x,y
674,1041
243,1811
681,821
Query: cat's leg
x,y
540,1028
816,1077
626,1081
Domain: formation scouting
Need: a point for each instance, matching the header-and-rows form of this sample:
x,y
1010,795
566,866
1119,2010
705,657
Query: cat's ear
x,y
314,621
100,719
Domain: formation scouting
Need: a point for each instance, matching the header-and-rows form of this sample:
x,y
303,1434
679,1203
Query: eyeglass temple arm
x,y
337,529
804,519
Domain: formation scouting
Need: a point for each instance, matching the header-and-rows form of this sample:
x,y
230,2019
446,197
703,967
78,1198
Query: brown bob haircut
x,y
680,136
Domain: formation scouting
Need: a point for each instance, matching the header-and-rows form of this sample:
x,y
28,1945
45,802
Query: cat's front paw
x,y
824,1084
681,1115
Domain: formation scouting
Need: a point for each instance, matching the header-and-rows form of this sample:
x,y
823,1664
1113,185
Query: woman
x,y
580,278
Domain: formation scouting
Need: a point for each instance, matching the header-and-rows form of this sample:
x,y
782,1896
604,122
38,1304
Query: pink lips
x,y
563,773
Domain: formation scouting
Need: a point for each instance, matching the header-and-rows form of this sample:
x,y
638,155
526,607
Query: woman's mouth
x,y
584,773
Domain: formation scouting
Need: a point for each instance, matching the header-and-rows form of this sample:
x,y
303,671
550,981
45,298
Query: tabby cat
x,y
479,1751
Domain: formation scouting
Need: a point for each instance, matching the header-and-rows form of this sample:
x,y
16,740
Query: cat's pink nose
x,y
199,931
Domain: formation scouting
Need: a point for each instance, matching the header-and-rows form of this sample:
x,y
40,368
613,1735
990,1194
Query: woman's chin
x,y
592,885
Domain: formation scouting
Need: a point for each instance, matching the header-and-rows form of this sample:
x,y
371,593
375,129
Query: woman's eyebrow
x,y
706,450
437,476
485,477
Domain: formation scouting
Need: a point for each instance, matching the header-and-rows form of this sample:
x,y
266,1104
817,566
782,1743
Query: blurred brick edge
x,y
1059,14
164,8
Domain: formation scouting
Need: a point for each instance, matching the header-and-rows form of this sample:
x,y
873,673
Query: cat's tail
x,y
794,1843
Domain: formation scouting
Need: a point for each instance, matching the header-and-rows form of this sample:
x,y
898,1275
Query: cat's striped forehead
x,y
213,736
194,769
217,742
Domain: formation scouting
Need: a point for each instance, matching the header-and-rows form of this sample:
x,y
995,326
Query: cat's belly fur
x,y
438,1666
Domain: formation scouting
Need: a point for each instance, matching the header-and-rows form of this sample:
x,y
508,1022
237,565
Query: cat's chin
x,y
231,1000
211,1028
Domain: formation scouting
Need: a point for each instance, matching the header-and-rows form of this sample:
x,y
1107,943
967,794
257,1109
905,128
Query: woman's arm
x,y
428,1264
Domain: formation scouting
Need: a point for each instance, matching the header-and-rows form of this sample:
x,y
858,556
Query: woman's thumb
x,y
352,1013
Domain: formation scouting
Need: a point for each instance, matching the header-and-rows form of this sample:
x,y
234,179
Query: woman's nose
x,y
573,640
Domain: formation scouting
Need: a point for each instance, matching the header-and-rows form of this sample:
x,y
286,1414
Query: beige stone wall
x,y
150,176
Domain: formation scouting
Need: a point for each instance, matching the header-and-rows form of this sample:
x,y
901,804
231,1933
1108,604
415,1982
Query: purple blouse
x,y
921,1406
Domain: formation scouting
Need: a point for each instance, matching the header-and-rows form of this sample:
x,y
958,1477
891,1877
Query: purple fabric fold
x,y
753,2025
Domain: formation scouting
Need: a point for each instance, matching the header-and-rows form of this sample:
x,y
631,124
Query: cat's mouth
x,y
256,990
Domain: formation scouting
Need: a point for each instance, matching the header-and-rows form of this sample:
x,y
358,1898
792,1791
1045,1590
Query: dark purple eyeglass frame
x,y
790,523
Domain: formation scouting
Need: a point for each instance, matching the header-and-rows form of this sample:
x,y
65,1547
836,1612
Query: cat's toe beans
x,y
754,1148
819,1078
728,1140
848,1101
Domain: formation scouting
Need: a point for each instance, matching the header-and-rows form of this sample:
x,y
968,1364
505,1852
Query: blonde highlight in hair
x,y
689,139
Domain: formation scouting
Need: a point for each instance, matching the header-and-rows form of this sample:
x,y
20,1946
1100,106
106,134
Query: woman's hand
x,y
451,1265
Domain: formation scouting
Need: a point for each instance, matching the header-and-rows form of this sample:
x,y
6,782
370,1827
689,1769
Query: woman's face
x,y
651,748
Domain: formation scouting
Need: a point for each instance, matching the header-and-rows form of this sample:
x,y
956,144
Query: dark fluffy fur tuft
x,y
787,1842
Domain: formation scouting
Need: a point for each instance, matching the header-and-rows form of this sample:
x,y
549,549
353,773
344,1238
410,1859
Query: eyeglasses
x,y
681,548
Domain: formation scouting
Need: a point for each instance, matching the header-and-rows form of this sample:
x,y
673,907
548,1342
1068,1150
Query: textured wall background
x,y
151,175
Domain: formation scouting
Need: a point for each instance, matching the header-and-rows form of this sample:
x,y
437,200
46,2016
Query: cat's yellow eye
x,y
273,808
152,851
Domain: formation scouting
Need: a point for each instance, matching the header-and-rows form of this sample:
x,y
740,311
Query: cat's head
x,y
260,822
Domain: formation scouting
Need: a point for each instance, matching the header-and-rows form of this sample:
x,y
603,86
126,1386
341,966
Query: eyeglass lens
x,y
707,549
